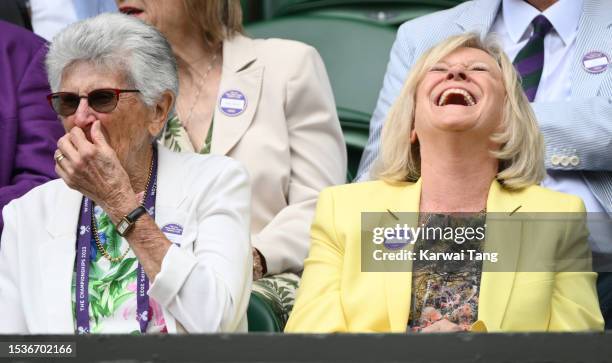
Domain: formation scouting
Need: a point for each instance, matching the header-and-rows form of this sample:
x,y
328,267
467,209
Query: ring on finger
x,y
59,157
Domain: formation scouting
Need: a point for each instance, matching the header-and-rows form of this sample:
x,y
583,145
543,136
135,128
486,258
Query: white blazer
x,y
203,286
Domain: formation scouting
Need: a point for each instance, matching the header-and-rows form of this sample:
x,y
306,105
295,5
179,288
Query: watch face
x,y
123,226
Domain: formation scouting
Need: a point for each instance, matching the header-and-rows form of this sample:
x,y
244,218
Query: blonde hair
x,y
521,152
217,20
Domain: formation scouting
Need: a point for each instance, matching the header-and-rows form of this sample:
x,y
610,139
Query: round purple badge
x,y
232,103
173,232
595,62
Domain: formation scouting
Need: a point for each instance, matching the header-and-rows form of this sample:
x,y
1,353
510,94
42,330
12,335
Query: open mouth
x,y
456,96
128,10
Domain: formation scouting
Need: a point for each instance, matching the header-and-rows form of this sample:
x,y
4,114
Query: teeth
x,y
466,95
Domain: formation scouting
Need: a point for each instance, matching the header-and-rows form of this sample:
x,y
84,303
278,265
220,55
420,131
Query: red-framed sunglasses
x,y
102,100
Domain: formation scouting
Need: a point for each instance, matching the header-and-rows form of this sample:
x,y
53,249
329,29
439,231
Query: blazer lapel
x,y
239,74
502,236
479,16
56,259
594,34
398,284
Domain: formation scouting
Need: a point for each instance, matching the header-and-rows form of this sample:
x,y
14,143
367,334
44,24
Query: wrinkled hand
x,y
93,168
442,326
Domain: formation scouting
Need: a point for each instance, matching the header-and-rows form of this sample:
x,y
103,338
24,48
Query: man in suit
x,y
570,90
29,129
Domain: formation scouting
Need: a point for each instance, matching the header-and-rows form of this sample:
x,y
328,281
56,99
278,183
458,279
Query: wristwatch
x,y
126,224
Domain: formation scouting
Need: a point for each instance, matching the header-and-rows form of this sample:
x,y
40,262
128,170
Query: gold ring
x,y
59,157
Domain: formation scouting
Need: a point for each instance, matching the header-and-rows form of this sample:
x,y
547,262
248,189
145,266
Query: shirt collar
x,y
564,15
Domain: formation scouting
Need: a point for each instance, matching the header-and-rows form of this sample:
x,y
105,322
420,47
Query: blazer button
x,y
555,160
565,161
574,160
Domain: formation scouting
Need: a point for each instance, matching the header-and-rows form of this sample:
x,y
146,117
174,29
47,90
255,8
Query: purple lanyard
x,y
84,240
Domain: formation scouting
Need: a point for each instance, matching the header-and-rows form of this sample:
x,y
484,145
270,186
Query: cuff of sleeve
x,y
176,267
272,262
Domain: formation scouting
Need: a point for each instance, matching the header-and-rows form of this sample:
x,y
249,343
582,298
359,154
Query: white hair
x,y
118,43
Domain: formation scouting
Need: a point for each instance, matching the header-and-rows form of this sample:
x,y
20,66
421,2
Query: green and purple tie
x,y
530,60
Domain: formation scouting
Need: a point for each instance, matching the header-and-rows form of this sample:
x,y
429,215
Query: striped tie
x,y
530,60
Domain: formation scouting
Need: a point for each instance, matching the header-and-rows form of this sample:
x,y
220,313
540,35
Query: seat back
x,y
355,55
260,315
392,12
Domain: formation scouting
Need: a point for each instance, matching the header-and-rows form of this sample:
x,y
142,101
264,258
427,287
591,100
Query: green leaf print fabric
x,y
112,286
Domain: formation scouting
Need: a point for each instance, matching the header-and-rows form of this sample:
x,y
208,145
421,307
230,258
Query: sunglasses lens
x,y
65,104
103,100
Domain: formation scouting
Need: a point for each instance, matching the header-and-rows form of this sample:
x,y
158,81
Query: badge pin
x,y
232,103
595,62
173,232
173,228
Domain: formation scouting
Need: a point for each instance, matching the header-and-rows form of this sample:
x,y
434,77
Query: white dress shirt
x,y
49,17
556,82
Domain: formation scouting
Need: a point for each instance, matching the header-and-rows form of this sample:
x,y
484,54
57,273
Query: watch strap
x,y
133,216
126,224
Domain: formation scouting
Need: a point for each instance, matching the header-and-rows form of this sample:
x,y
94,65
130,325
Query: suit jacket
x,y
288,138
336,296
15,12
29,129
203,286
584,123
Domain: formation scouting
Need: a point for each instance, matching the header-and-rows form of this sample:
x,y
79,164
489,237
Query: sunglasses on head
x,y
101,100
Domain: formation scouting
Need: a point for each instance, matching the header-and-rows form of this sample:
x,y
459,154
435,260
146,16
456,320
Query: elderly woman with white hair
x,y
461,149
132,238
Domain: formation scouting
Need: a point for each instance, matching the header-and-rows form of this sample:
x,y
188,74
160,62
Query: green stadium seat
x,y
355,55
381,10
251,11
260,315
392,16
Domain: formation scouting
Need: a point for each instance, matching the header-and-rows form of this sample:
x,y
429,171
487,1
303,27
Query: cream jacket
x,y
288,137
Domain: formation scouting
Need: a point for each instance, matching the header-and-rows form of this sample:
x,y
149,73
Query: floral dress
x,y
175,137
112,286
446,289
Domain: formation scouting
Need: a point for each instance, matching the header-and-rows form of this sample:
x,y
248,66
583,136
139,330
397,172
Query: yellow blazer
x,y
335,296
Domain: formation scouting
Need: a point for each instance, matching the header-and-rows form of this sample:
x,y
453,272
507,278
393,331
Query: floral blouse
x,y
445,289
175,137
112,286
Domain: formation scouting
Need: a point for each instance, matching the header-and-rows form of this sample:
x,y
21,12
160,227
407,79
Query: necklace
x,y
94,225
199,88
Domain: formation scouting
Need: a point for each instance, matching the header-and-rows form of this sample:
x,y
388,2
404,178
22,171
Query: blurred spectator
x,y
29,129
266,103
567,78
281,124
49,17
